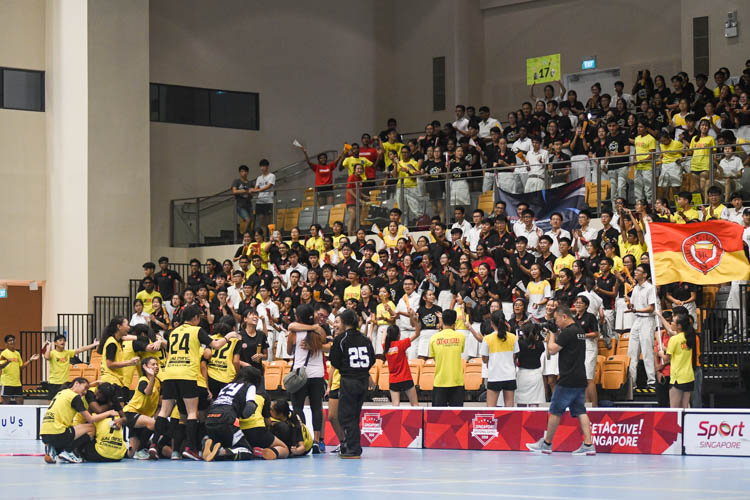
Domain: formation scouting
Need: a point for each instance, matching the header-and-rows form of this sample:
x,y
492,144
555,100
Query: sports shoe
x,y
192,455
153,453
69,457
336,450
585,449
265,453
322,446
316,448
141,455
540,447
350,456
210,449
175,455
50,454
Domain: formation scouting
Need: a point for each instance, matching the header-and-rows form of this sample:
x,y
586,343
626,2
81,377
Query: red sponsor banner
x,y
385,428
613,431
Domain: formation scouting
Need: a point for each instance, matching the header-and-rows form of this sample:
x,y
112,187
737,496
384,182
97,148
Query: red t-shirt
x,y
324,173
351,185
398,365
372,155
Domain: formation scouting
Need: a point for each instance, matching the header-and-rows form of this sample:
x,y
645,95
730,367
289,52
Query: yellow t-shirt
x,y
618,265
11,374
679,121
337,240
500,365
316,244
256,419
141,403
110,441
352,292
387,148
643,145
671,152
59,365
563,263
147,299
407,170
112,375
60,414
335,379
718,211
184,354
382,314
351,163
460,317
129,371
634,249
446,347
700,161
221,366
681,362
690,214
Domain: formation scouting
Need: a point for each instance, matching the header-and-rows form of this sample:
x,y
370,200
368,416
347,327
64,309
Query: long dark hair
x,y
391,335
281,406
498,322
306,314
685,324
109,331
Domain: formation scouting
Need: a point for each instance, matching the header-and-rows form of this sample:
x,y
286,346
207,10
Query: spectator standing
x,y
486,123
446,348
570,390
530,385
165,279
680,354
147,295
241,189
264,188
537,160
352,198
323,175
462,122
498,351
645,144
618,154
643,304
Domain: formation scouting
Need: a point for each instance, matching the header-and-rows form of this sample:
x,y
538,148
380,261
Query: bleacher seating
x,y
615,372
622,345
473,374
383,378
427,375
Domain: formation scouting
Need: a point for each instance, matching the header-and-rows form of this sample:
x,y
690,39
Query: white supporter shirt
x,y
403,322
555,247
473,238
732,214
500,365
523,145
746,236
303,274
464,226
532,236
537,161
462,125
269,310
642,297
485,127
233,295
589,235
265,197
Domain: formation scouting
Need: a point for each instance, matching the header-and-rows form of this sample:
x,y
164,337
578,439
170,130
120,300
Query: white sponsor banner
x,y
17,422
717,433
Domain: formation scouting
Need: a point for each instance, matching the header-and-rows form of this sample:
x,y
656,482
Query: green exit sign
x,y
588,63
3,293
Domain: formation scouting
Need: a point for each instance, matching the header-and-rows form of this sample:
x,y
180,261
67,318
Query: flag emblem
x,y
703,251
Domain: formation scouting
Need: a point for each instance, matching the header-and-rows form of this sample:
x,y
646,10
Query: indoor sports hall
x,y
458,248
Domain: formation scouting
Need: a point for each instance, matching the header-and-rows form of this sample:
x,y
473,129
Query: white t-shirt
x,y
537,161
731,166
589,234
265,197
269,310
555,247
315,367
732,214
486,126
500,366
521,145
403,322
462,125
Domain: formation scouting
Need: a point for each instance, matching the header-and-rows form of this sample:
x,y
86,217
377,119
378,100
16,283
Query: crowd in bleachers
x,y
460,312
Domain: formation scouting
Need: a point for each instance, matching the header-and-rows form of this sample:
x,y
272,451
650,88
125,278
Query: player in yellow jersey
x,y
114,361
141,409
109,442
334,384
225,362
11,364
59,362
58,431
181,373
286,426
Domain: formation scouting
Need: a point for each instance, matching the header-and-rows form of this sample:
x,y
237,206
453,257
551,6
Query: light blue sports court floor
x,y
383,473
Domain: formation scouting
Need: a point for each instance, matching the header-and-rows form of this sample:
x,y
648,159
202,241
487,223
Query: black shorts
x,y
179,389
505,385
333,394
52,390
225,434
62,441
12,390
131,418
687,387
203,401
259,436
324,189
263,208
401,386
215,386
89,454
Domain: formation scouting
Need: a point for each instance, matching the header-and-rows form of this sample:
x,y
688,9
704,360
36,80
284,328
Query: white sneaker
x,y
540,447
141,455
585,449
69,457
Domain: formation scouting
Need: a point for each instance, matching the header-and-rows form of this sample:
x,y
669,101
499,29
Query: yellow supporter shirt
x,y
316,244
351,163
387,148
681,362
337,240
700,161
60,413
59,365
563,263
11,374
147,299
352,292
643,145
634,249
460,317
671,152
382,315
406,172
140,402
690,214
446,347
110,441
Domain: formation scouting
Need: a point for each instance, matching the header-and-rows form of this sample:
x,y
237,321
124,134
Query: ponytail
x,y
498,322
691,336
109,331
392,334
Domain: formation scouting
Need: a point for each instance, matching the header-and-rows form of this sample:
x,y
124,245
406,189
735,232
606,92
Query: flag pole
x,y
652,268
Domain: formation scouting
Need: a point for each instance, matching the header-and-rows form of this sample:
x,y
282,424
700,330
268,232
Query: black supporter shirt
x,y
165,283
428,317
616,144
572,356
243,200
251,346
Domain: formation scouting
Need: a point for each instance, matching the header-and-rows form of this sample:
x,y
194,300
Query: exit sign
x,y
3,293
588,63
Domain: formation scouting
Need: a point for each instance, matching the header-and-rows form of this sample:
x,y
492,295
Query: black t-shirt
x,y
243,200
608,236
567,295
165,282
458,169
588,322
547,264
433,169
428,318
396,290
681,290
511,134
572,356
251,346
599,148
616,144
516,261
529,353
608,284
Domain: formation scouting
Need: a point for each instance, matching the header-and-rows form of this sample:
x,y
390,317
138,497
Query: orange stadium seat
x,y
599,366
603,351
622,345
615,372
272,377
427,375
91,373
75,372
383,378
473,374
415,366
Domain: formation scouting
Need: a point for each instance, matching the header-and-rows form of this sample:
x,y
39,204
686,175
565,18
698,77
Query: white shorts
x,y
530,387
377,342
445,297
671,175
460,193
550,366
590,363
424,343
471,346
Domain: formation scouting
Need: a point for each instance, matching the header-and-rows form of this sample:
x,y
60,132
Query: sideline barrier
x,y
20,422
651,432
717,432
385,427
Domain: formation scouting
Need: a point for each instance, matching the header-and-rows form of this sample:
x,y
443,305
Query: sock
x,y
80,442
143,436
547,442
178,438
160,427
191,440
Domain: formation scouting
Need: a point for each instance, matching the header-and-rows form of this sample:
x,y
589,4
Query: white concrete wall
x,y
22,148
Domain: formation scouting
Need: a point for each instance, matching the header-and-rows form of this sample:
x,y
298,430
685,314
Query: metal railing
x,y
313,205
106,308
29,343
78,329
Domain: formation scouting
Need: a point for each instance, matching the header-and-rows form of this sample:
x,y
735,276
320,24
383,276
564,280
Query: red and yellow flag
x,y
703,253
